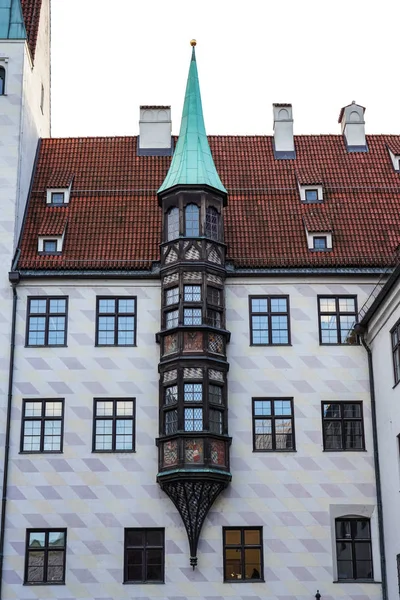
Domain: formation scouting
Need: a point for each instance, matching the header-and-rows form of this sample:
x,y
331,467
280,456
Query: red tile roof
x,y
315,219
114,220
53,222
309,176
31,14
394,146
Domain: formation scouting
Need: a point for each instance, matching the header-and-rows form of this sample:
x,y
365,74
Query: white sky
x,y
110,56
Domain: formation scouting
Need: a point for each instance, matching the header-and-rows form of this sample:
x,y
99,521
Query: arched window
x,y
173,224
2,81
192,228
212,223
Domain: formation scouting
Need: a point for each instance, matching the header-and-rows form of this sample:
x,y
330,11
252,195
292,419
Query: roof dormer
x,y
394,153
318,232
52,233
310,186
58,189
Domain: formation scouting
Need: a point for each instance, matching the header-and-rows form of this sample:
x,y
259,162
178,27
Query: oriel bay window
x,y
342,425
243,554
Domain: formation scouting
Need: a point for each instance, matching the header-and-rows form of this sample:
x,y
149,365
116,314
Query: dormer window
x,y
50,244
311,195
192,223
320,242
394,152
57,198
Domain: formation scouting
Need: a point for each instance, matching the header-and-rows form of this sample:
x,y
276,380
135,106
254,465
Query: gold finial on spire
x,y
193,42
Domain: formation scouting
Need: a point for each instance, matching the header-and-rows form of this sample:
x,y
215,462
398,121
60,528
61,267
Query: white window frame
x,y
66,191
395,160
58,238
304,188
311,236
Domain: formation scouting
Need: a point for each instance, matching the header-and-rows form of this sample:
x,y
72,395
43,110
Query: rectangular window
x,y
353,549
114,425
311,195
116,321
192,316
144,556
57,198
319,243
172,296
47,321
243,554
216,420
342,426
42,425
214,296
273,425
337,316
171,319
395,335
214,318
269,320
193,419
50,246
192,293
45,556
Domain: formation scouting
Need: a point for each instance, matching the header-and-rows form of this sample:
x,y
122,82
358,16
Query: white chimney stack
x,y
155,131
352,122
283,131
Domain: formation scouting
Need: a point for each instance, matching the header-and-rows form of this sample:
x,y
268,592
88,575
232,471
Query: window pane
x,y
193,419
106,333
333,435
33,409
233,564
327,304
353,434
37,539
328,329
154,564
262,407
37,306
259,305
124,432
124,408
53,409
35,567
279,327
192,220
282,407
104,408
107,305
154,537
134,537
212,223
345,569
192,293
263,434
364,569
58,305
126,305
193,392
260,330
57,198
343,529
278,305
173,223
56,538
192,316
171,421
346,325
347,305
283,434
362,530
52,436
344,551
36,336
55,566
233,537
332,411
216,421
32,433
252,559
171,319
252,537
352,411
172,296
171,395
215,394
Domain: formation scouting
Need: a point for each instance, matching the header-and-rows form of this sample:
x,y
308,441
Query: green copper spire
x,y
12,25
192,163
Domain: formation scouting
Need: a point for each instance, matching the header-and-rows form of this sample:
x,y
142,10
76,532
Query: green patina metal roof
x,y
192,163
12,25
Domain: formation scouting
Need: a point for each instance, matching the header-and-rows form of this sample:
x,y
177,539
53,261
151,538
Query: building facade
x,y
187,405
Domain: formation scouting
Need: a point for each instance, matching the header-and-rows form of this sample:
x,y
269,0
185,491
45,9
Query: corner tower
x,y
193,438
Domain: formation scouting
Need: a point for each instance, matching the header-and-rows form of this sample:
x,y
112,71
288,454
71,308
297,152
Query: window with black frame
x,y
269,320
243,554
172,224
337,316
395,335
116,321
353,549
273,425
192,220
144,556
212,219
45,556
42,425
47,321
343,426
114,425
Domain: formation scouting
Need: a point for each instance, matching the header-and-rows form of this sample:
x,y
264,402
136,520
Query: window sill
x,y
357,581
115,346
143,582
286,451
345,450
244,580
267,345
113,451
41,451
29,583
46,346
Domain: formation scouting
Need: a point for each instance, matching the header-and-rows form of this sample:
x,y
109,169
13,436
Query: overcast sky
x,y
110,56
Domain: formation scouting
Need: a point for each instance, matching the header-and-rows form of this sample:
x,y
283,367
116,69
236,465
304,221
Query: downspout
x,y
377,469
7,438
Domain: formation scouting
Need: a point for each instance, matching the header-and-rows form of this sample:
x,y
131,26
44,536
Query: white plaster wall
x,y
35,124
292,495
388,422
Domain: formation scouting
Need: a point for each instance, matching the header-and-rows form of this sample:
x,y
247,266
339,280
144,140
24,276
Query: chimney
x,y
352,122
283,131
155,131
